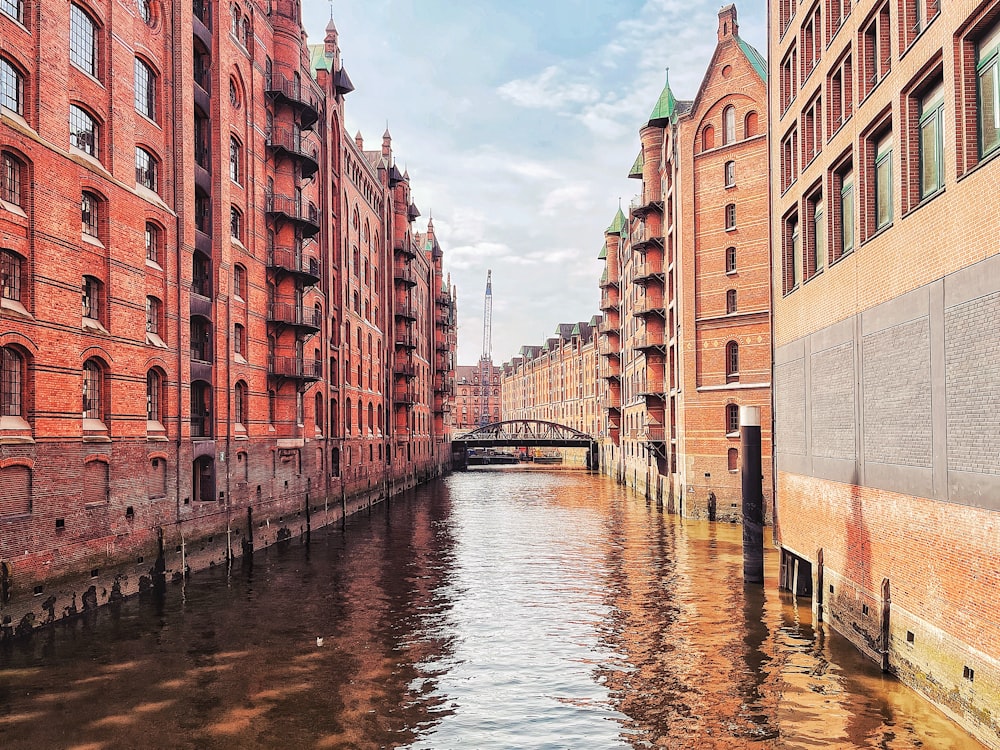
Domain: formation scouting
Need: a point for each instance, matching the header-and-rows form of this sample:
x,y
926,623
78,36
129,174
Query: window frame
x,y
730,173
11,74
732,361
730,259
235,159
146,169
732,419
882,181
86,140
93,389
728,125
13,9
730,217
85,60
930,112
144,95
13,374
154,390
90,214
152,238
12,179
990,59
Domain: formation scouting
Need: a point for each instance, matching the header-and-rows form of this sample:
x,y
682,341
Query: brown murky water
x,y
496,609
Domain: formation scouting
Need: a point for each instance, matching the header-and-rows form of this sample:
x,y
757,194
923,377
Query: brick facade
x,y
685,291
886,287
193,406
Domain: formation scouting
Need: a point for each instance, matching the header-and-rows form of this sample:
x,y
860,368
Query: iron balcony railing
x,y
293,260
306,214
297,94
292,142
297,315
293,367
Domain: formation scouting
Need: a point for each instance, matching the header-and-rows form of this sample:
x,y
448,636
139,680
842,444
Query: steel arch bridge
x,y
528,433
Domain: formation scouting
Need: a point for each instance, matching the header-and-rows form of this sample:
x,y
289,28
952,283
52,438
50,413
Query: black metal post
x,y
753,495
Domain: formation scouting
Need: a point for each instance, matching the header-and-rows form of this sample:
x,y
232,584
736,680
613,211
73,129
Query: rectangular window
x,y
840,103
883,182
791,253
876,55
91,298
988,90
843,212
10,383
236,223
932,142
789,159
816,255
82,41
238,343
812,42
730,173
812,130
789,78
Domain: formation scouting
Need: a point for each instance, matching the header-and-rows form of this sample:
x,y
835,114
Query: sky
x,y
518,122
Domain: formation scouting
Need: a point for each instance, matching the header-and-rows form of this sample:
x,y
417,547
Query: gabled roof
x,y
603,255
636,170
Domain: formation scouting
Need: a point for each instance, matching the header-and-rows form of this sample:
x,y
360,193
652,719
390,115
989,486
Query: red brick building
x,y
177,367
557,382
886,286
685,291
477,398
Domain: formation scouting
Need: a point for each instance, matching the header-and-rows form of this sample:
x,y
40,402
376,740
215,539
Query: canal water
x,y
497,608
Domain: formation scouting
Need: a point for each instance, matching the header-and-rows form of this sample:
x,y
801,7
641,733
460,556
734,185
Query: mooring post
x,y
752,479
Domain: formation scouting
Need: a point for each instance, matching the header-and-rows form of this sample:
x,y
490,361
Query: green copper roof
x,y
755,58
618,225
604,252
576,330
636,170
317,58
665,105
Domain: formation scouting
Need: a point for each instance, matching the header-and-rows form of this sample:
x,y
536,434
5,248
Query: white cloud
x,y
549,89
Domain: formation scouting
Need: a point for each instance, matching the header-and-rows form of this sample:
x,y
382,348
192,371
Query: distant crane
x,y
486,361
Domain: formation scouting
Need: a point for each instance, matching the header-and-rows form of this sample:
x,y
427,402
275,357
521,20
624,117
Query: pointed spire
x,y
665,105
359,141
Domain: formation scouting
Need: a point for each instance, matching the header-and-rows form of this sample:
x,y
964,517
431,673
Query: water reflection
x,y
499,609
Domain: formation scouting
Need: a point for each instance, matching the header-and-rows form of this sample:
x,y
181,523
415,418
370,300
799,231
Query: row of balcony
x,y
296,368
291,314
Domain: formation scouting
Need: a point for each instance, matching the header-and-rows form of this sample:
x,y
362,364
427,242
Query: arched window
x,y
12,379
90,214
707,138
348,413
272,406
750,125
734,460
83,52
93,390
730,173
153,239
11,87
319,412
361,416
730,260
728,125
731,216
732,361
240,404
201,409
11,267
145,169
371,417
84,133
730,301
154,321
235,159
732,419
154,392
12,180
145,89
240,340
